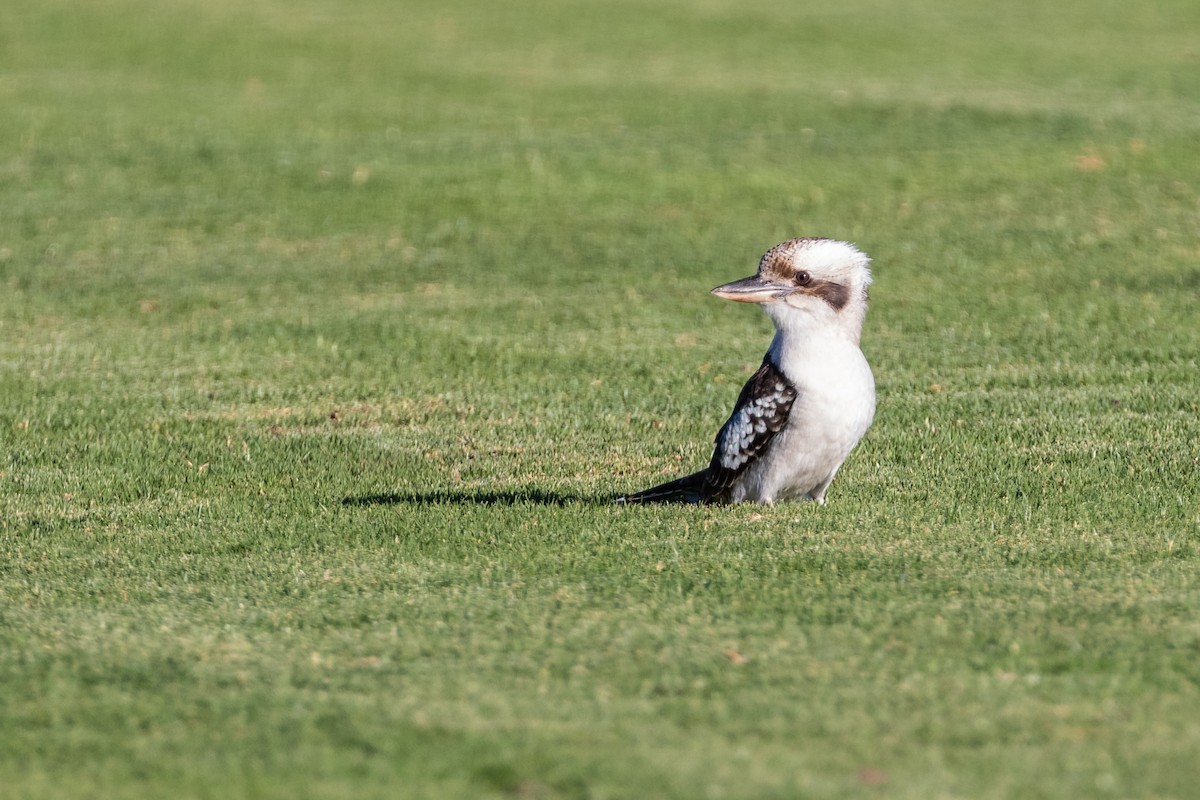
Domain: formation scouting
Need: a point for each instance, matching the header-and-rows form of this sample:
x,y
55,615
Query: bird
x,y
801,414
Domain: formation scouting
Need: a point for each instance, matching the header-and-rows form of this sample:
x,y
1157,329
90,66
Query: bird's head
x,y
808,280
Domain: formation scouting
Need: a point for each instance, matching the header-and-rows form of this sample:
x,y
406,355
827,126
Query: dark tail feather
x,y
689,489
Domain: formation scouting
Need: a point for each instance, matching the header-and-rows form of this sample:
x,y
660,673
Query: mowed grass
x,y
329,331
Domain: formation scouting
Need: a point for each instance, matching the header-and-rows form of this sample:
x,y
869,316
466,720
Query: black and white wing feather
x,y
761,411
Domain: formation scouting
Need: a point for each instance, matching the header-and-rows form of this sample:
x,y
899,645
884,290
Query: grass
x,y
327,333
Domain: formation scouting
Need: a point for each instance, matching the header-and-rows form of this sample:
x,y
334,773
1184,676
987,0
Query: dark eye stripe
x,y
835,294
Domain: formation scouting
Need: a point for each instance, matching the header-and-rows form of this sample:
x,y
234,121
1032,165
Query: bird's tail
x,y
689,489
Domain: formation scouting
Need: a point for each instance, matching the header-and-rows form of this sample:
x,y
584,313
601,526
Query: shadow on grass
x,y
512,497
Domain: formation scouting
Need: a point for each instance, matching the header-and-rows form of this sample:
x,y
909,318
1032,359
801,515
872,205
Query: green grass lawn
x,y
328,331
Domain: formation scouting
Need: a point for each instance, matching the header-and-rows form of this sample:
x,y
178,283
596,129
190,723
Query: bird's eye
x,y
802,278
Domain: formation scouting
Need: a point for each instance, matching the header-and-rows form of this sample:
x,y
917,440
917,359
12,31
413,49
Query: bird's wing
x,y
761,412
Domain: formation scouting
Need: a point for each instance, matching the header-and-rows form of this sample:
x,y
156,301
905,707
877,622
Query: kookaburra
x,y
813,398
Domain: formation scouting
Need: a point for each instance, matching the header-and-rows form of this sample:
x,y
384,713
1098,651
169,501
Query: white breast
x,y
834,408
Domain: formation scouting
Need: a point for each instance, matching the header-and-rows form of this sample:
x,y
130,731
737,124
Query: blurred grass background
x,y
328,330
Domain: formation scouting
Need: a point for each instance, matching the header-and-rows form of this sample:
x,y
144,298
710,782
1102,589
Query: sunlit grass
x,y
328,333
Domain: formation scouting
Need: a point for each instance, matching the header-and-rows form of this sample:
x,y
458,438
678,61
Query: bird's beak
x,y
752,290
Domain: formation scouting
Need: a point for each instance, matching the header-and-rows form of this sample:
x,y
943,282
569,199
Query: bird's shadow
x,y
508,497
